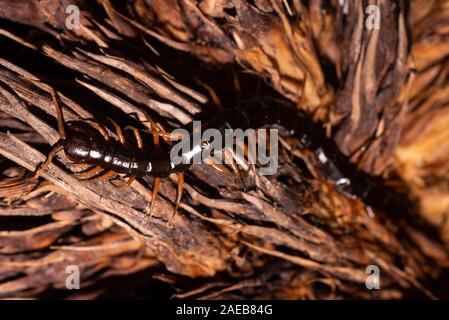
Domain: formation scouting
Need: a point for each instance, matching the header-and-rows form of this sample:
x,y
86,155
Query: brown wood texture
x,y
380,94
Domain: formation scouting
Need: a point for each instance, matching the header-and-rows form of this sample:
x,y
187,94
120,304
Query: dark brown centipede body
x,y
84,144
89,143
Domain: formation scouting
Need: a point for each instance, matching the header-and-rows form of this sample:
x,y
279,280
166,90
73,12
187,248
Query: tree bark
x,y
379,93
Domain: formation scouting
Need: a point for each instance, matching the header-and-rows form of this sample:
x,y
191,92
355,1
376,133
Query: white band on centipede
x,y
209,144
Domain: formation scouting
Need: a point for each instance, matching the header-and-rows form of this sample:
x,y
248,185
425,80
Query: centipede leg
x,y
156,180
105,176
157,131
126,183
118,131
180,191
130,180
166,135
56,149
100,128
221,168
79,167
89,173
243,146
59,116
149,119
235,168
156,140
136,135
61,131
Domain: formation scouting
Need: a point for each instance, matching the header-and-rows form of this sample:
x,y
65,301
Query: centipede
x,y
88,142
